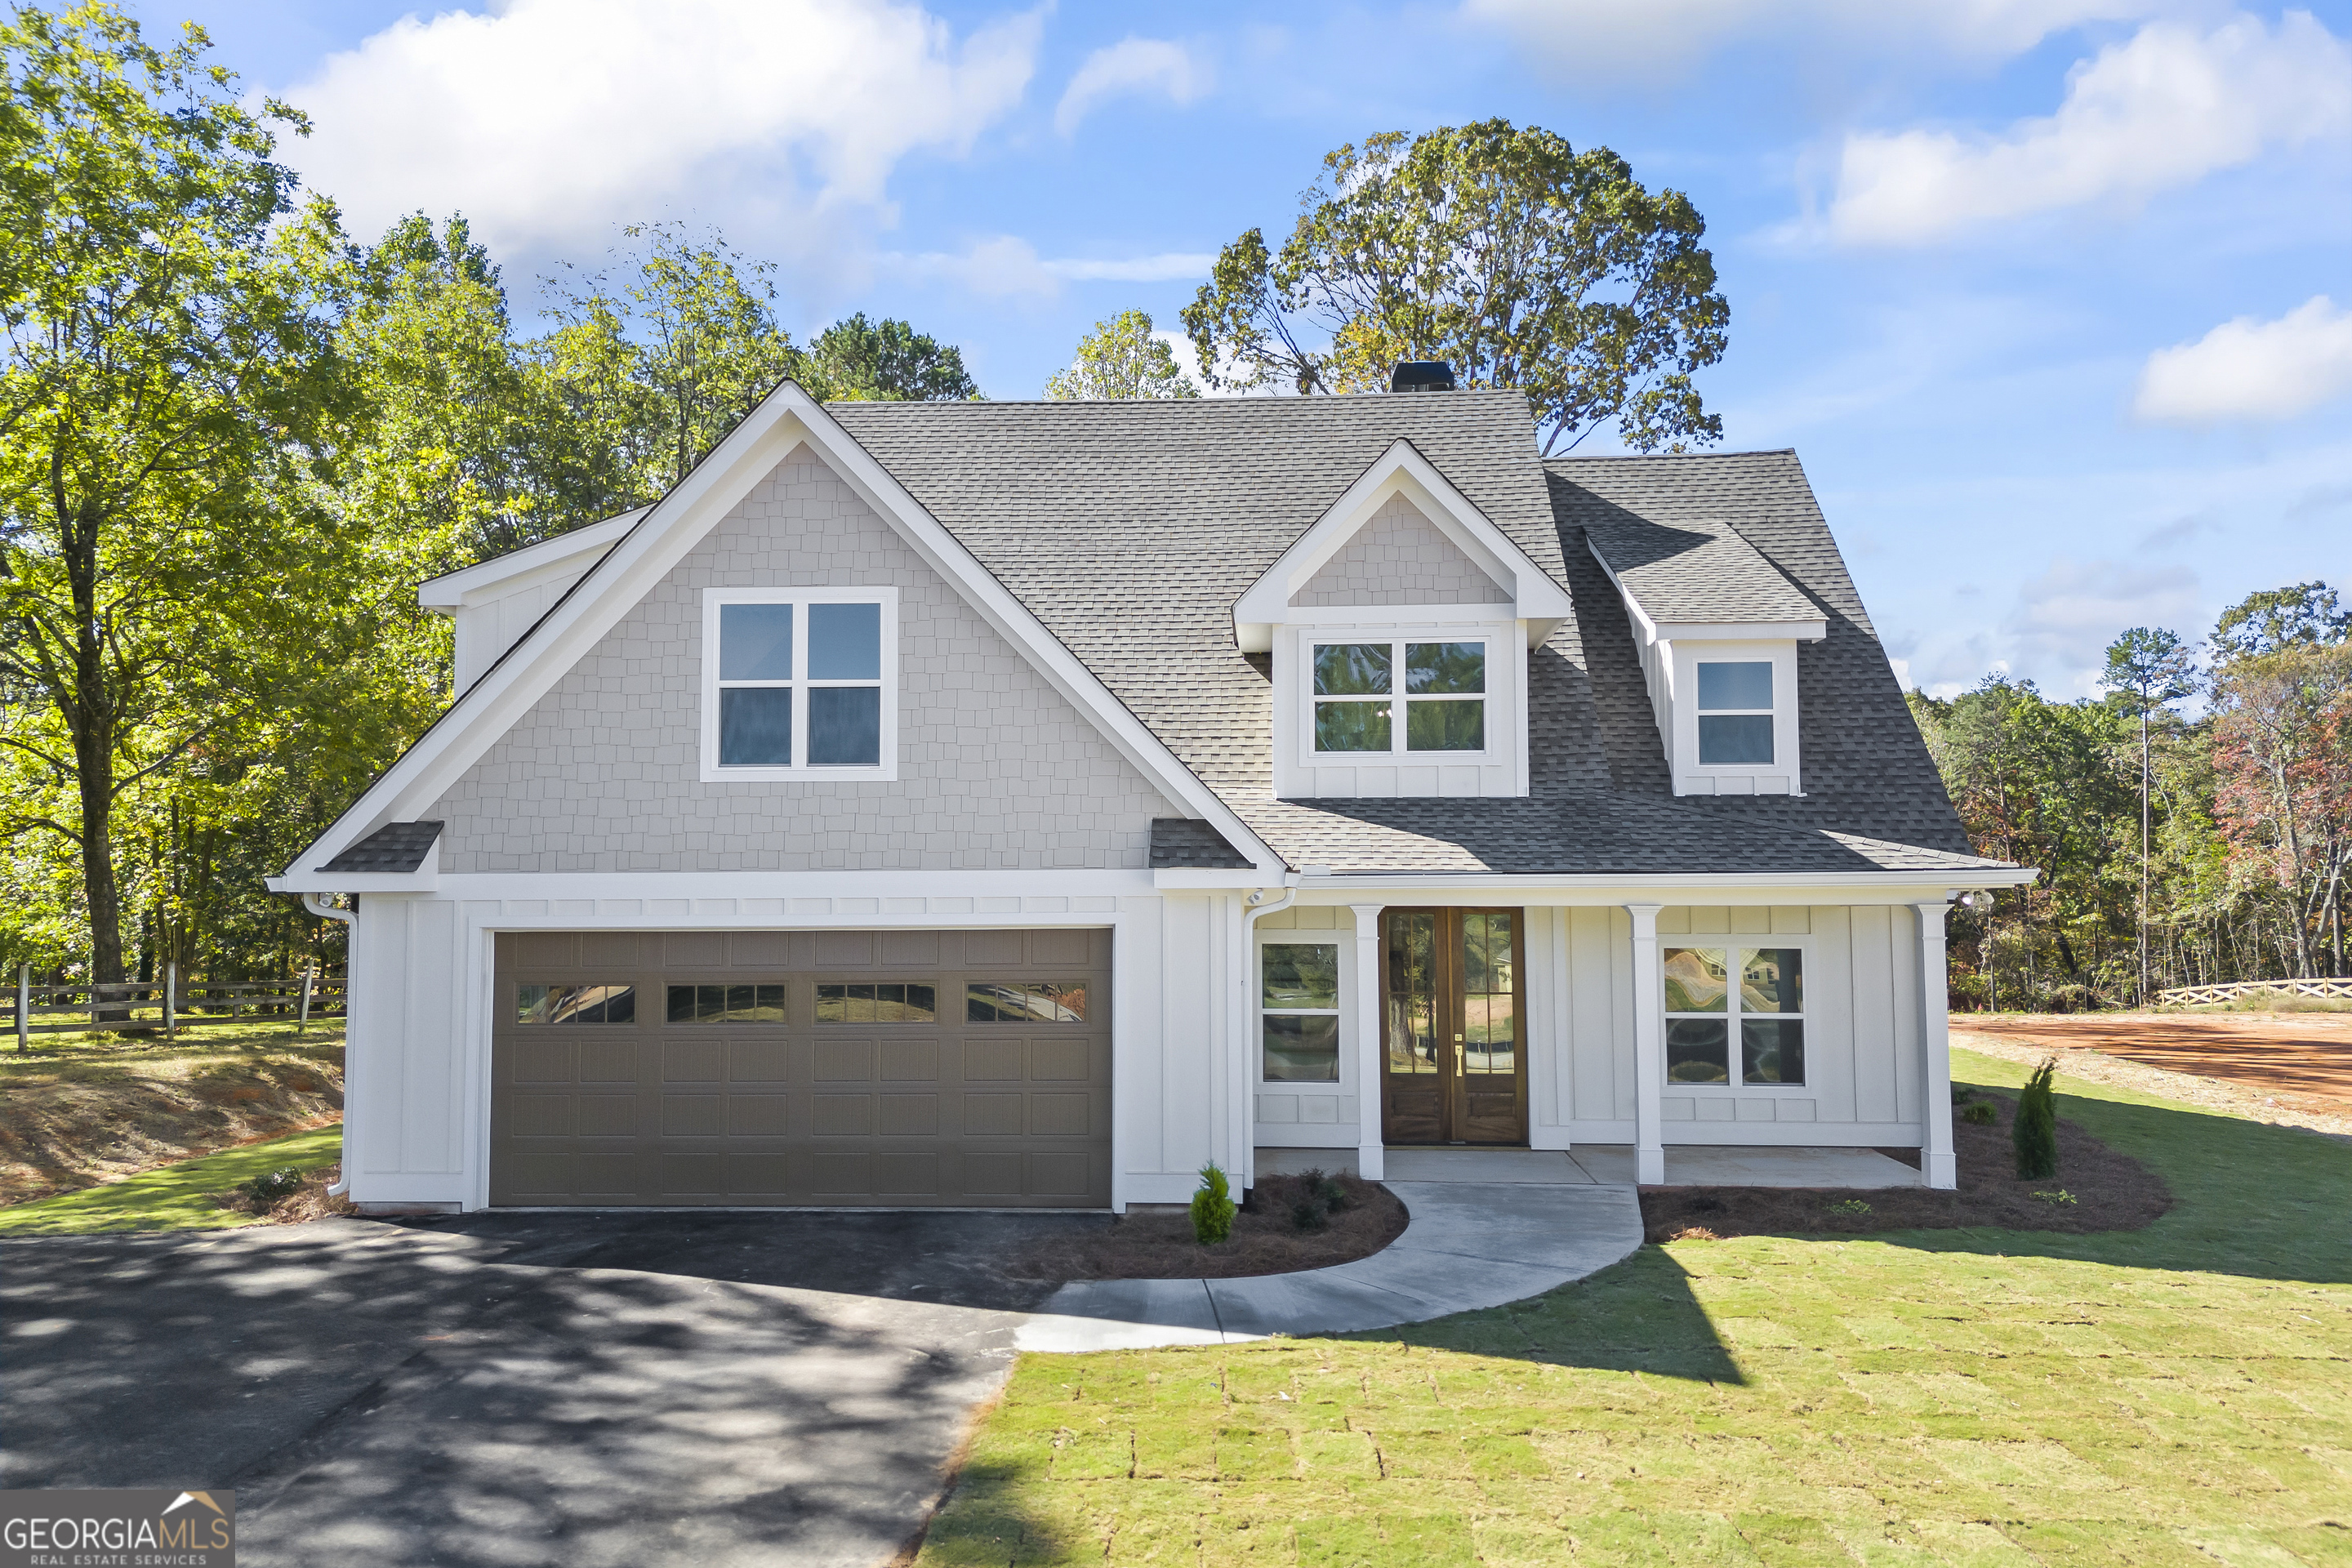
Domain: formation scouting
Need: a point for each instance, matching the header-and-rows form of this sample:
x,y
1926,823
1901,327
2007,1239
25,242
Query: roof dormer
x,y
1400,624
1718,627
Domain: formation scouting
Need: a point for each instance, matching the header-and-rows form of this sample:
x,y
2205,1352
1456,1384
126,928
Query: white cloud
x,y
1657,38
2251,370
1131,66
2065,618
1007,267
547,122
2165,108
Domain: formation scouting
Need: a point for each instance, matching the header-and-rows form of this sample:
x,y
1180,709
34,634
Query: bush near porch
x,y
2175,1394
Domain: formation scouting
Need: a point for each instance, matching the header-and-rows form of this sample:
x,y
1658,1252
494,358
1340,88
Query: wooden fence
x,y
2208,995
164,1006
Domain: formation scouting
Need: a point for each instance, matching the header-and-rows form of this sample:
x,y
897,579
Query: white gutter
x,y
1314,880
348,917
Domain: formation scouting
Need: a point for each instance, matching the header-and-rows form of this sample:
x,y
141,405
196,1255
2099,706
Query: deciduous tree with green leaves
x,y
1505,252
885,361
169,368
1122,359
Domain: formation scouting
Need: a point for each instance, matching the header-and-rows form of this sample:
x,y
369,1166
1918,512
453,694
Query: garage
x,y
879,1068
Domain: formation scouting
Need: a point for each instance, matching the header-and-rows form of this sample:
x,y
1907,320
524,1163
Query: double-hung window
x,y
1298,1007
1753,1018
1735,714
1399,696
800,683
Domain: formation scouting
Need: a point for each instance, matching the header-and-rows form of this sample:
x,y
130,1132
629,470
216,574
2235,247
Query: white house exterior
x,y
1022,805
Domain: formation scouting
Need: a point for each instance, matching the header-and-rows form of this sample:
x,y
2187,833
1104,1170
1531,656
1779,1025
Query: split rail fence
x,y
2230,990
164,1006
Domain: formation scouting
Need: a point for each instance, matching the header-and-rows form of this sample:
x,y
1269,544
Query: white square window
x,y
800,683
1716,1029
1401,698
1735,714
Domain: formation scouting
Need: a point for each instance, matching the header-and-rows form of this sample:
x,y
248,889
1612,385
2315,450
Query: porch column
x,y
1649,1046
1937,1166
1371,1148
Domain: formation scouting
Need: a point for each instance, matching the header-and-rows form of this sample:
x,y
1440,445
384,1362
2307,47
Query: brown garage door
x,y
770,1068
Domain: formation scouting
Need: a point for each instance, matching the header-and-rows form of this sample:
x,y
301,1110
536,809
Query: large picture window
x,y
1734,714
1299,1001
800,683
1399,696
1763,1012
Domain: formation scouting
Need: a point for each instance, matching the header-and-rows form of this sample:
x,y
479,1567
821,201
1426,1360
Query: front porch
x,y
1612,1164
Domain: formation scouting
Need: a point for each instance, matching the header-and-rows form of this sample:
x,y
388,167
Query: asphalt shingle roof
x,y
1697,569
396,846
1130,529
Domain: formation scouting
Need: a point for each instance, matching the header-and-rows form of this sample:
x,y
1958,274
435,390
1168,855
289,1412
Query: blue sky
x,y
2053,297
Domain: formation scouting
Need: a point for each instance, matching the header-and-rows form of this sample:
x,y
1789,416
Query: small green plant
x,y
1850,1206
2061,1196
1962,1094
271,1185
1981,1113
2035,1130
1309,1213
1212,1207
1326,1190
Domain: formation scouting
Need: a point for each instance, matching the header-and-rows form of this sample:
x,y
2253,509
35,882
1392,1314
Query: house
x,y
1023,803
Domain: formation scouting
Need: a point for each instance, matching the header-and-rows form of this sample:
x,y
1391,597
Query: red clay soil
x,y
2303,1058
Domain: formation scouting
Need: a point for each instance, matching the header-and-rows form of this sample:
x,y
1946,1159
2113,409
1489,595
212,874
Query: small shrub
x,y
1326,1191
2061,1196
1850,1206
1962,1094
1212,1207
1309,1214
1980,1113
2035,1130
271,1185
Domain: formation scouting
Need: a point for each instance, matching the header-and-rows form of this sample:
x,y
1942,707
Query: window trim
x,y
1397,755
1733,1012
1292,936
885,770
1682,681
1702,712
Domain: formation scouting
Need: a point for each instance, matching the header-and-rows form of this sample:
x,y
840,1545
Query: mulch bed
x,y
1266,1239
308,1201
2111,1192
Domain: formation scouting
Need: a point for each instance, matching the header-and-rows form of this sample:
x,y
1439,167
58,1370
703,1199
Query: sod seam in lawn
x,y
173,1197
2172,1396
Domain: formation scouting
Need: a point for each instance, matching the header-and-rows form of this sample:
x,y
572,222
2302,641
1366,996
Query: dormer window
x,y
1440,686
1734,714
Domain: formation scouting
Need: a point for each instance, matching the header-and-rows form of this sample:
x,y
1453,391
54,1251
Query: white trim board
x,y
786,420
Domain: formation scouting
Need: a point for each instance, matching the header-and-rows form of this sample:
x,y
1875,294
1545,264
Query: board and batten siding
x,y
997,770
1862,1058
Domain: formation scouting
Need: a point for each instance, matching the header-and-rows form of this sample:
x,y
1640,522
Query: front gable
x,y
1400,557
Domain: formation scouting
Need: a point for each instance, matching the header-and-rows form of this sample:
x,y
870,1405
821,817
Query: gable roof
x,y
1696,570
1132,529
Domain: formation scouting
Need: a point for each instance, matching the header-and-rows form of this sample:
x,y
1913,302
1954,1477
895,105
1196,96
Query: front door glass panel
x,y
1453,1069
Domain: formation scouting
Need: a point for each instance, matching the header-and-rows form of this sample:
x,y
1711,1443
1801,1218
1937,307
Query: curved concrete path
x,y
1467,1245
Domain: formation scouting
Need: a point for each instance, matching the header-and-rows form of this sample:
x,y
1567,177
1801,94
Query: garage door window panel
x,y
558,1005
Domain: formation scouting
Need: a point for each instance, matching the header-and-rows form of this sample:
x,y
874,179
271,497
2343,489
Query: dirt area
x,y
2294,1068
307,1202
1266,1240
77,1118
2108,1192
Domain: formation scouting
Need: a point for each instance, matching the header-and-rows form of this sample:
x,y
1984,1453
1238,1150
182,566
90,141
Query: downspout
x,y
349,917
1254,904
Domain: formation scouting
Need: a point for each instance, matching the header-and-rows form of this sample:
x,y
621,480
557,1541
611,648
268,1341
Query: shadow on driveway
x,y
516,1388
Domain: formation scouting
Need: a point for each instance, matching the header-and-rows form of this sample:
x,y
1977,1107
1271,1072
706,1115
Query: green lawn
x,y
176,1197
2177,1395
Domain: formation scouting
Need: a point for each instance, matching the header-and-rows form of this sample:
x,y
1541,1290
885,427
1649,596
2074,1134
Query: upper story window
x,y
1439,689
1734,714
800,683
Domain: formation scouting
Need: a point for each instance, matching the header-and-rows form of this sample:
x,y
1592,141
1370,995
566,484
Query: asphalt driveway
x,y
520,1388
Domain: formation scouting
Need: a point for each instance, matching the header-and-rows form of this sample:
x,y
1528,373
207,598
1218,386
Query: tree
x,y
1517,259
885,361
2303,616
2147,670
170,362
1122,359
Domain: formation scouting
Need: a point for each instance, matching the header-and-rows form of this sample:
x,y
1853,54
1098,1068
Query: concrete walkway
x,y
1468,1244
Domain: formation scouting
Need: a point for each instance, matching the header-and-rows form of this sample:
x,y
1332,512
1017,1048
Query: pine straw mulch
x,y
1266,1240
308,1201
2110,1191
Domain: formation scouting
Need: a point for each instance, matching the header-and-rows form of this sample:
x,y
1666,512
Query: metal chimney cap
x,y
1422,375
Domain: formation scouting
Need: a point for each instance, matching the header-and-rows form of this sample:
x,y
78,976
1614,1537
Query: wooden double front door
x,y
1454,1063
